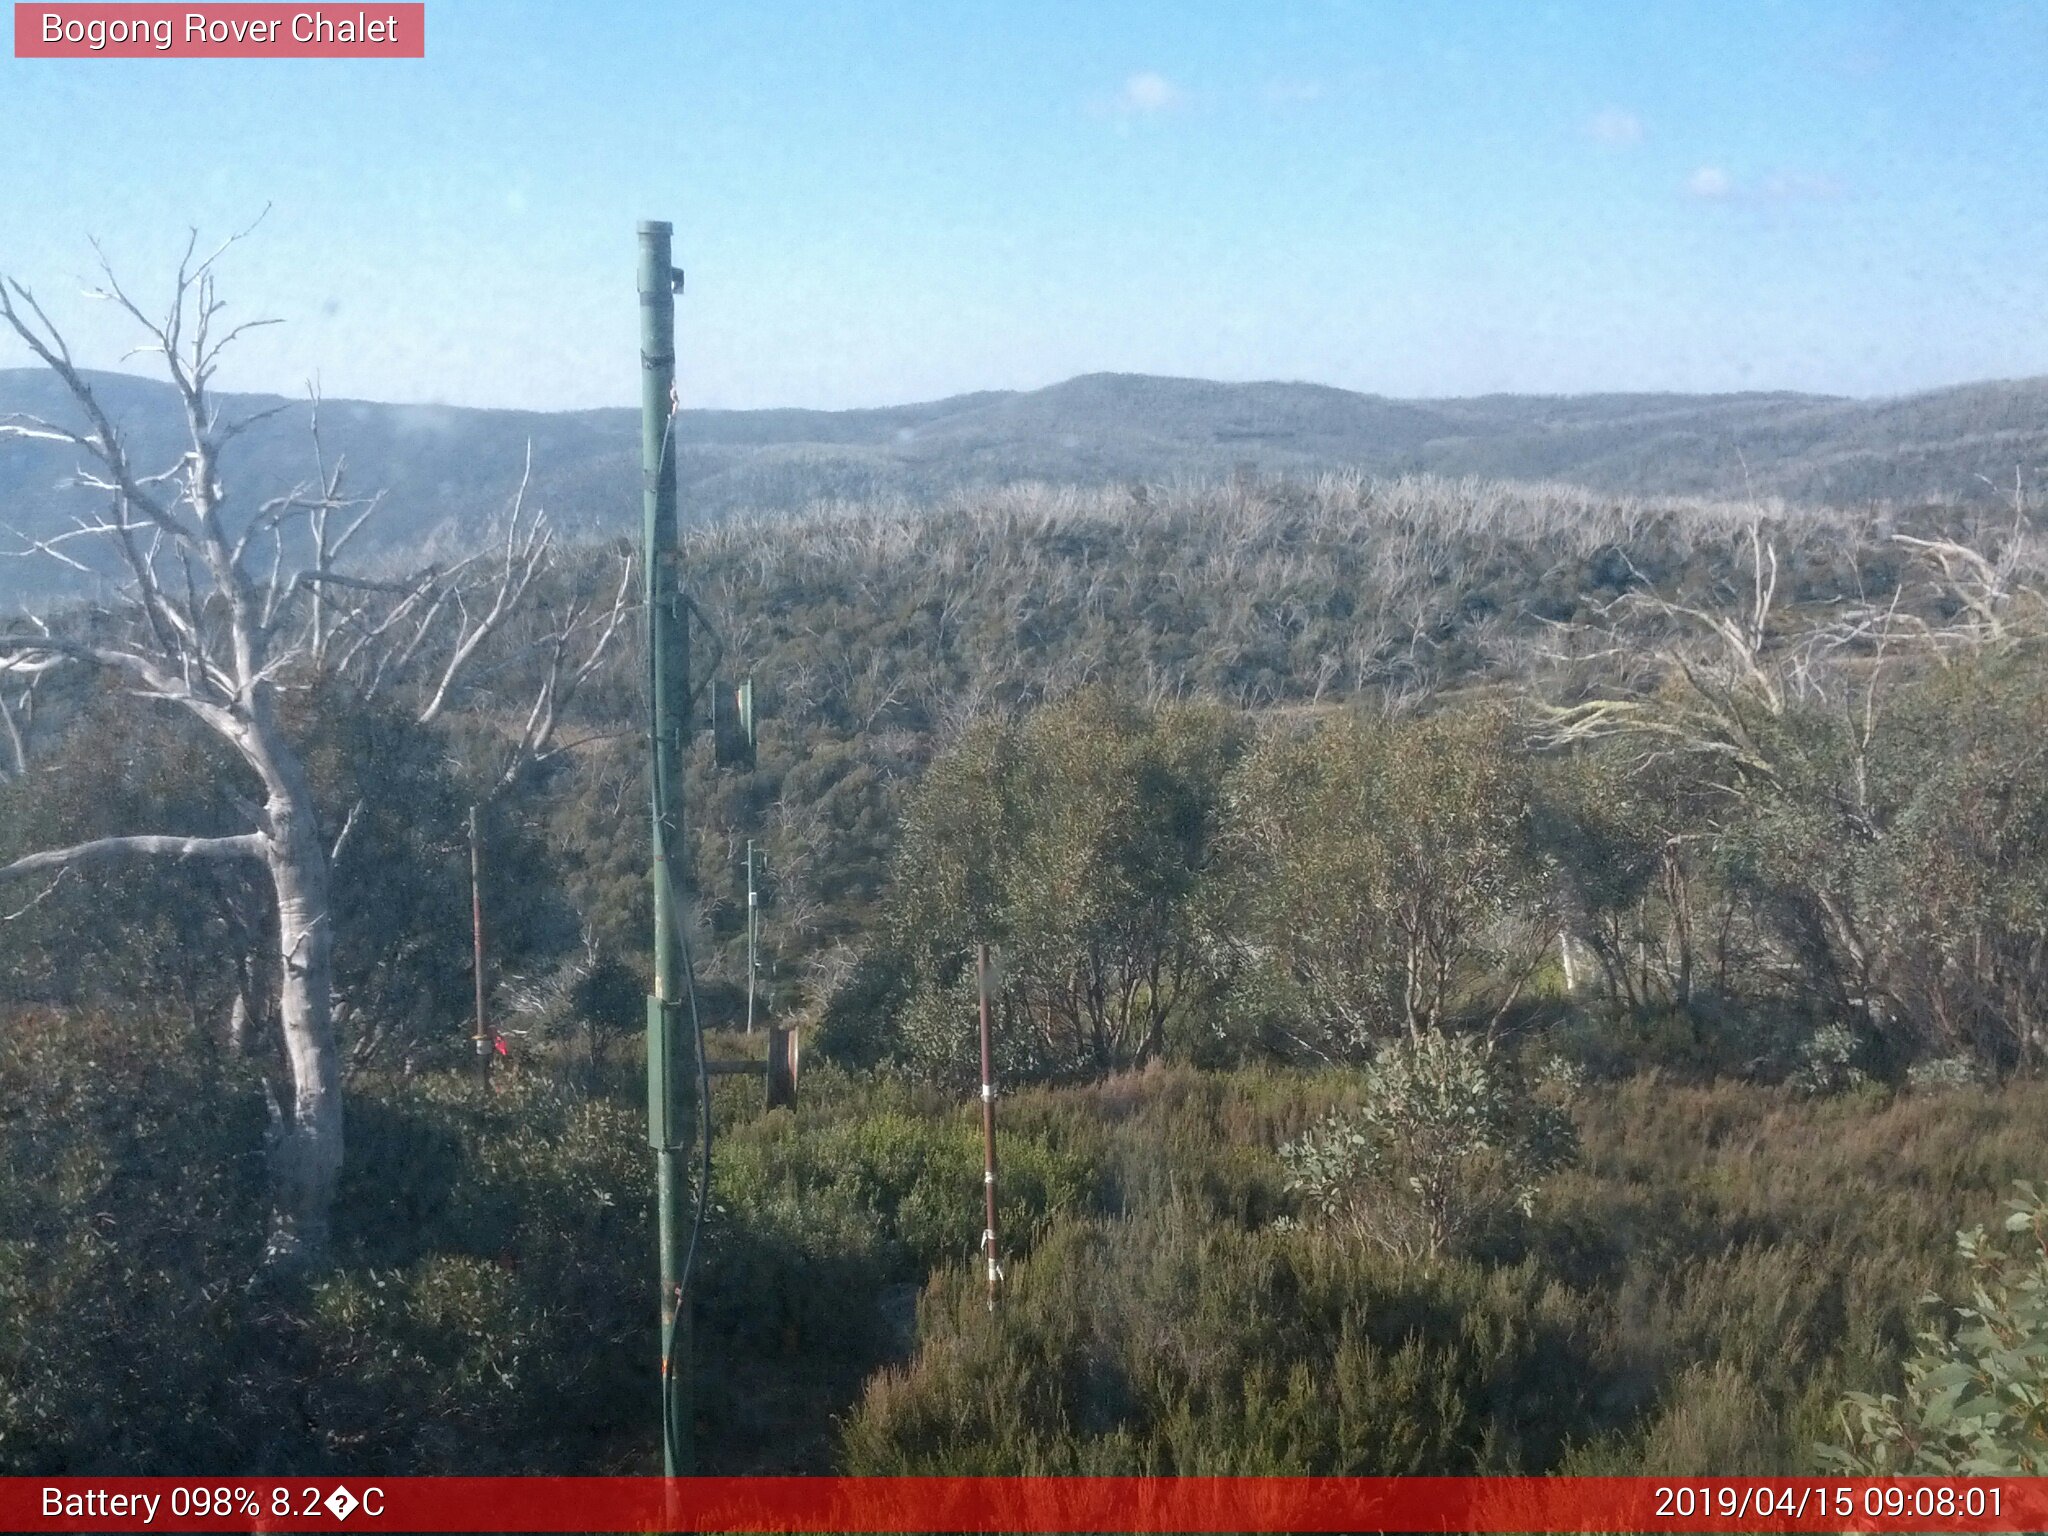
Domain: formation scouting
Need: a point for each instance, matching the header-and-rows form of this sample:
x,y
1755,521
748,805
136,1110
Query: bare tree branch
x,y
38,899
561,679
526,547
108,850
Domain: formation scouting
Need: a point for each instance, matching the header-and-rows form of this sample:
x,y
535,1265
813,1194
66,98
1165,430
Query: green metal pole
x,y
753,912
670,1111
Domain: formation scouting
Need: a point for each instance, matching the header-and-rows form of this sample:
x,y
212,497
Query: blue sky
x,y
883,202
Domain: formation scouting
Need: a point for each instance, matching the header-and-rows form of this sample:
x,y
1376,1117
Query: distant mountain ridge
x,y
451,470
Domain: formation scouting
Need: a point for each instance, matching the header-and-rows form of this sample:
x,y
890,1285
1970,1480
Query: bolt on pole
x,y
670,1112
988,1128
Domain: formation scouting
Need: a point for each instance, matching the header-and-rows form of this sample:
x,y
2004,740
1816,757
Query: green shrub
x,y
1377,879
1074,840
487,1306
1975,1401
906,1173
1828,1061
1447,1137
130,1222
1943,1074
1166,1344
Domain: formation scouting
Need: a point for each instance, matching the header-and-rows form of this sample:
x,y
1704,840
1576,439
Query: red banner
x,y
374,30
1076,1504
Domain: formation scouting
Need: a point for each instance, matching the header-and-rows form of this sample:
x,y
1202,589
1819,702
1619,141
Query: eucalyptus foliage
x,y
1448,1136
1075,841
1379,880
1976,1399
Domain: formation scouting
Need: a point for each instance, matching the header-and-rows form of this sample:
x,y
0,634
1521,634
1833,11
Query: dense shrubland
x,y
1872,888
1720,1264
1327,834
1693,1296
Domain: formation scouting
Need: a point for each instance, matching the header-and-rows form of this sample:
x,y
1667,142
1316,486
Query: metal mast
x,y
670,1112
753,935
482,1034
983,982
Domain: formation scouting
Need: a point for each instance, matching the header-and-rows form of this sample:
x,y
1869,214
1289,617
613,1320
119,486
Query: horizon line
x,y
1818,397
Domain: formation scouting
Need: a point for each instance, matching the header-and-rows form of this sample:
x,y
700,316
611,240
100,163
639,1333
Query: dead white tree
x,y
1722,686
1991,597
1731,685
20,677
221,604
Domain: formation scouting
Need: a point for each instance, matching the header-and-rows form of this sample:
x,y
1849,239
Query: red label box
x,y
367,29
1024,1504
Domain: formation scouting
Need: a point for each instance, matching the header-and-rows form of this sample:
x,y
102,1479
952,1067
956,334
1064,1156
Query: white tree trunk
x,y
306,1135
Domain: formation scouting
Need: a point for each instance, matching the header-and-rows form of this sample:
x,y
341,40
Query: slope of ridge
x,y
450,470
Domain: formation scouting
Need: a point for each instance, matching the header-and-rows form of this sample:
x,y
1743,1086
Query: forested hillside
x,y
450,471
1491,978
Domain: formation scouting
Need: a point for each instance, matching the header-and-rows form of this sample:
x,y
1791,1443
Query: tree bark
x,y
306,1136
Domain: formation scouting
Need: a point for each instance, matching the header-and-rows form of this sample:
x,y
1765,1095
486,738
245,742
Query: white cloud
x,y
1612,125
1710,181
1146,93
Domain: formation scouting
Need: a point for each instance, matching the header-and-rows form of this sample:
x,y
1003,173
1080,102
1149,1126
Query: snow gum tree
x,y
219,603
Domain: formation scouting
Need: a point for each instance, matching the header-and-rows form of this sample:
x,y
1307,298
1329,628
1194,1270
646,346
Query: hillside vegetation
x,y
1491,978
451,470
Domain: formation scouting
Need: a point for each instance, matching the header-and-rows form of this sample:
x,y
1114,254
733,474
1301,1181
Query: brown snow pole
x,y
988,1130
476,925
